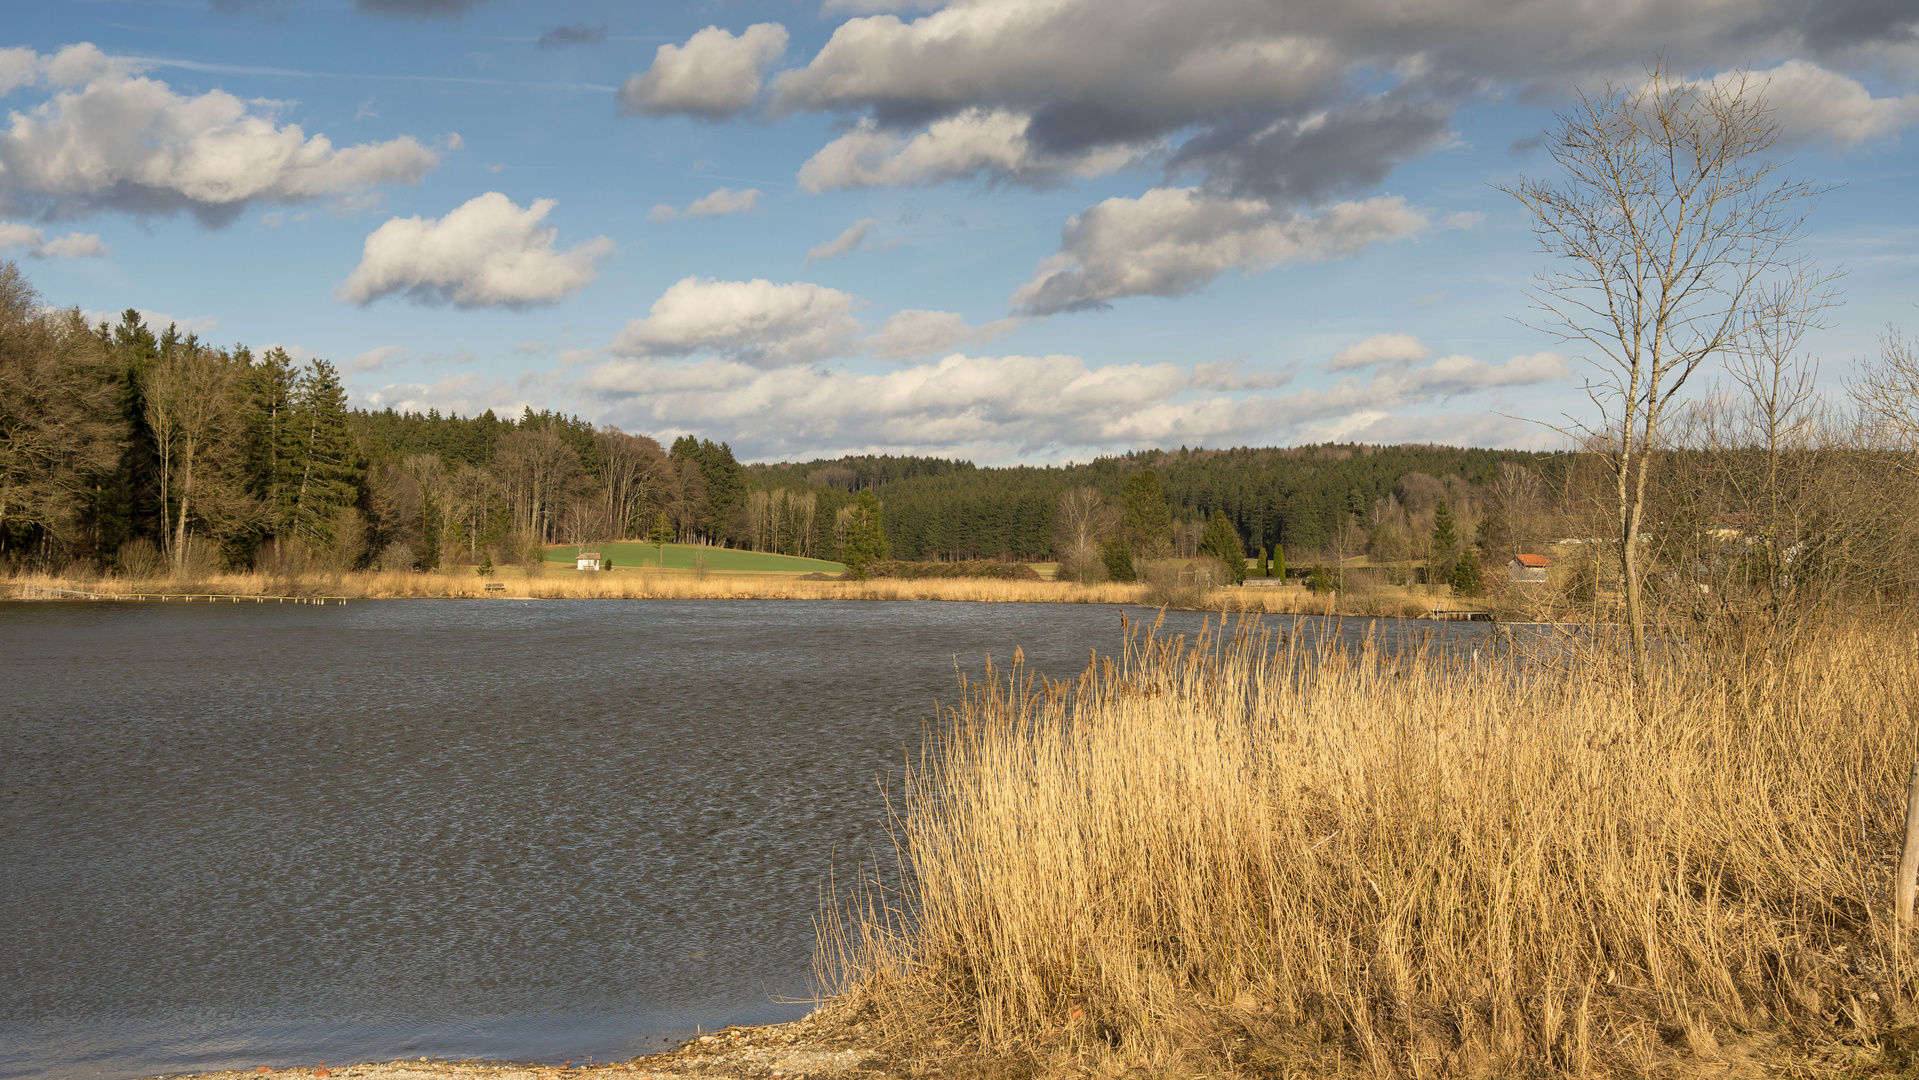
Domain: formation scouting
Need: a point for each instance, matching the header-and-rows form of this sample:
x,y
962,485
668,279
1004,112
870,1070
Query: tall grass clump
x,y
1255,857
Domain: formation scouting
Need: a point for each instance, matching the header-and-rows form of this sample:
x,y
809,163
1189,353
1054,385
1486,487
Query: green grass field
x,y
629,555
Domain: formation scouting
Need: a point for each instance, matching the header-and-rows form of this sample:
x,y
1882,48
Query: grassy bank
x,y
1222,860
626,554
551,582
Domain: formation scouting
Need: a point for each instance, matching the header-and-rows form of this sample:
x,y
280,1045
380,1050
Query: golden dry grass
x,y
637,585
552,583
1252,859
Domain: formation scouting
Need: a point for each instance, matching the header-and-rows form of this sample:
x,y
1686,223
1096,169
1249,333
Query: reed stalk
x,y
1248,855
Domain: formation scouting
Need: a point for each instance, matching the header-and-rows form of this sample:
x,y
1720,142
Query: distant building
x,y
590,560
1729,526
1528,568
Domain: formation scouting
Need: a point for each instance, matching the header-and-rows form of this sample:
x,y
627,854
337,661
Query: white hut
x,y
1528,568
590,560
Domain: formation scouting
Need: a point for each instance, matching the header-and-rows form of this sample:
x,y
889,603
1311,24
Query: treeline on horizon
x,y
135,449
126,450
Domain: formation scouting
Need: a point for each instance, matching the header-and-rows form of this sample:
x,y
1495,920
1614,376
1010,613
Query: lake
x,y
240,835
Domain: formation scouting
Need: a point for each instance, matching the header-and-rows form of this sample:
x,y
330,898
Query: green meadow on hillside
x,y
628,555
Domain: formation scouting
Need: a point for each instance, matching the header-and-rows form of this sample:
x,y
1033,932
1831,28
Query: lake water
x,y
258,835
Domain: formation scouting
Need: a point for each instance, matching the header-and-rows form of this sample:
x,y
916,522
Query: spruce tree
x,y
661,535
1222,543
865,535
1466,579
1148,522
329,459
274,464
1117,554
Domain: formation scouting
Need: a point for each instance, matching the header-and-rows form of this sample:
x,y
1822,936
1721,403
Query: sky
x,y
1003,230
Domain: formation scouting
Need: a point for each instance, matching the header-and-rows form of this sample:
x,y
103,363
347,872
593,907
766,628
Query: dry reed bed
x,y
1227,858
654,585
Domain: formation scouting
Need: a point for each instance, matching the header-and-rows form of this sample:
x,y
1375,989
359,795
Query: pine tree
x,y
273,438
1445,545
329,459
865,535
1222,543
1117,554
661,535
1148,522
1466,579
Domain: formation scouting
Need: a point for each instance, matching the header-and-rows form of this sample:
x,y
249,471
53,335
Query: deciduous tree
x,y
1669,224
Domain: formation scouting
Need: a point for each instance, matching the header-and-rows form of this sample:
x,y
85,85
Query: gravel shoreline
x,y
801,1050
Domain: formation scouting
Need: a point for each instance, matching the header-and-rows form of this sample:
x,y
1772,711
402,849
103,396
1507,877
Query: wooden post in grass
x,y
1908,882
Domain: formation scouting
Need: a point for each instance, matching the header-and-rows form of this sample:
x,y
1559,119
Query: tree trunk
x,y
1906,885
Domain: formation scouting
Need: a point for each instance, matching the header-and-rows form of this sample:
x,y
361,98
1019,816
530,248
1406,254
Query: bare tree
x,y
193,409
536,469
60,429
1083,520
629,472
1887,394
1670,223
469,500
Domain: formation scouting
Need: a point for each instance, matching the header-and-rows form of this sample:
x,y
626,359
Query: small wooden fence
x,y
47,592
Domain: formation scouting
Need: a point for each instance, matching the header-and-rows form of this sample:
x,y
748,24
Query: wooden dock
x,y
48,592
1459,615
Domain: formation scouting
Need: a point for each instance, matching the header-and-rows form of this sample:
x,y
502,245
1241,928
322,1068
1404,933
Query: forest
x,y
126,450
132,448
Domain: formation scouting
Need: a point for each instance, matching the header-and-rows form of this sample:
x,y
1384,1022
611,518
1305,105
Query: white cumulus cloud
x,y
109,138
850,240
1383,349
1814,105
71,246
976,141
486,253
754,322
156,321
913,333
714,204
1172,241
1004,408
713,76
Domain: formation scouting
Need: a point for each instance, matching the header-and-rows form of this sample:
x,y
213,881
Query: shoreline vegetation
x,y
653,584
1257,855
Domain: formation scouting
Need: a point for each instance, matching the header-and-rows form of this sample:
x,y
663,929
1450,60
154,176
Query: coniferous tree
x,y
273,437
1466,579
1222,543
661,535
1118,556
1279,562
865,535
1265,564
1148,521
329,467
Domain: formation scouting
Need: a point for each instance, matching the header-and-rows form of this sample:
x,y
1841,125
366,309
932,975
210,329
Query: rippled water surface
x,y
243,835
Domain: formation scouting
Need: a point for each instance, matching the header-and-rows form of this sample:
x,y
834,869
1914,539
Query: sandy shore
x,y
801,1050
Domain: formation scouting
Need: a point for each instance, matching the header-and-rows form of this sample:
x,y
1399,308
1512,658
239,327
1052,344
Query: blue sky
x,y
999,229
